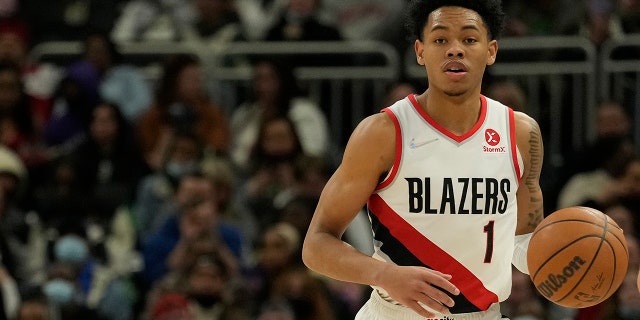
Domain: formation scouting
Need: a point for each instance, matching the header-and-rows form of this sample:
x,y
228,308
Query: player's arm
x,y
529,194
369,154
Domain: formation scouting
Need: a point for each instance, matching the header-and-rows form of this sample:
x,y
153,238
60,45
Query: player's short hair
x,y
490,11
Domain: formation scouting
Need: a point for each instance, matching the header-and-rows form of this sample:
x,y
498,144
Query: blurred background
x,y
161,159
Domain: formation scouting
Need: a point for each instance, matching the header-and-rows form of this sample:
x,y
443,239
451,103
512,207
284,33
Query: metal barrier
x,y
562,76
145,55
347,91
620,75
559,78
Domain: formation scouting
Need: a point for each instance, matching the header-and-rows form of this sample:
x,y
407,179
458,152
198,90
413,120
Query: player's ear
x,y
493,51
419,48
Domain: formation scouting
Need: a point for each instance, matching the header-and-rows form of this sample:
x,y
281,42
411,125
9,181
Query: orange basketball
x,y
577,257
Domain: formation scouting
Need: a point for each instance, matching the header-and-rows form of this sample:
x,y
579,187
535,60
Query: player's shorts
x,y
377,308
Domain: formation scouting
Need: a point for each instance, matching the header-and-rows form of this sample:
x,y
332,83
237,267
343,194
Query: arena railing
x,y
147,56
620,75
346,78
558,74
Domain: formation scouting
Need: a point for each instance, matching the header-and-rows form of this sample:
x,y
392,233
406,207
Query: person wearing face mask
x,y
195,217
79,281
182,103
156,190
206,282
62,290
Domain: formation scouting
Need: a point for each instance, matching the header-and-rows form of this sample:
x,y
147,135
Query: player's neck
x,y
457,114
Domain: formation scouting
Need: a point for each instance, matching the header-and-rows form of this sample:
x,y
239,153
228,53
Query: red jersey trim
x,y
443,130
514,144
396,163
432,255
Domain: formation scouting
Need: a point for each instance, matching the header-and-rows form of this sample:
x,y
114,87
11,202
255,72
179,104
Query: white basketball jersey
x,y
449,202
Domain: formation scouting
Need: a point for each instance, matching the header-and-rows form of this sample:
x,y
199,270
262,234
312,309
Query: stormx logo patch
x,y
492,138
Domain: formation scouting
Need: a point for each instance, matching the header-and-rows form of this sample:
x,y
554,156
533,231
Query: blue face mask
x,y
71,249
59,291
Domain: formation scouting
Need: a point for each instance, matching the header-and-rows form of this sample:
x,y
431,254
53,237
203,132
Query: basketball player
x,y
450,179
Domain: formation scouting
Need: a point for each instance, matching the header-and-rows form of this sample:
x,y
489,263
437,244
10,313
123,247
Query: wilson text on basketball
x,y
553,282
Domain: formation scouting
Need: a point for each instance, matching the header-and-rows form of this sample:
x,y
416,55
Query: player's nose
x,y
455,51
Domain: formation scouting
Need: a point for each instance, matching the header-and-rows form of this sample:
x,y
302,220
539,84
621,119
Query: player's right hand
x,y
411,285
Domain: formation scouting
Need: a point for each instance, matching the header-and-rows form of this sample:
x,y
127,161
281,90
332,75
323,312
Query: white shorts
x,y
377,308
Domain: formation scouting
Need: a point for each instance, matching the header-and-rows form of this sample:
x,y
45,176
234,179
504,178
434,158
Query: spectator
x,y
366,19
299,22
40,79
202,286
80,278
232,209
152,20
158,190
600,21
508,92
629,11
64,290
197,217
108,163
207,282
22,250
257,16
66,128
612,123
278,251
60,201
397,91
170,306
603,186
182,104
34,306
272,177
216,23
306,294
275,91
103,75
17,123
68,20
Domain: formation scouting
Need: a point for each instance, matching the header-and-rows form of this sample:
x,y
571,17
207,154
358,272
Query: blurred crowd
x,y
124,199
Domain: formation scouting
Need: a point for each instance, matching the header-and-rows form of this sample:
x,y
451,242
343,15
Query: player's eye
x,y
439,41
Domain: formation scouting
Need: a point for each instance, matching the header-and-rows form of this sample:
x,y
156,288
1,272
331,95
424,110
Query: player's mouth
x,y
455,69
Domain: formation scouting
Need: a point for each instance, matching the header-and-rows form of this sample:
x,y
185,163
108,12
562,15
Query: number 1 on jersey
x,y
488,229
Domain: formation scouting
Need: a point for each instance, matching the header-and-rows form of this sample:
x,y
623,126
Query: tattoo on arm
x,y
535,167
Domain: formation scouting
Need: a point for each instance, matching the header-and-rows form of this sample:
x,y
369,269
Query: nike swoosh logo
x,y
414,145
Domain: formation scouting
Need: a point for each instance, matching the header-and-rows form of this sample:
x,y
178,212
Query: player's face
x,y
455,50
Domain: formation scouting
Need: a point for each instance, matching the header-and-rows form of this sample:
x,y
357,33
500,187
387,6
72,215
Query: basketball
x,y
577,257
